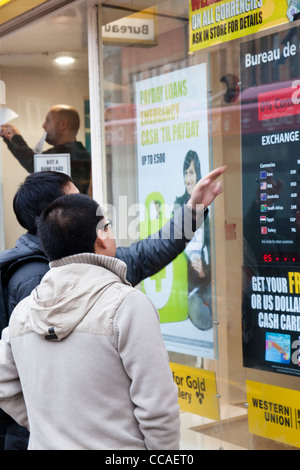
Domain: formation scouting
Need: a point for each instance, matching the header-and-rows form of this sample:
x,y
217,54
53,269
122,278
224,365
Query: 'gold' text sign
x,y
197,391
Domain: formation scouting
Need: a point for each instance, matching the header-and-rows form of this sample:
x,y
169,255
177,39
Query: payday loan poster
x,y
173,154
215,21
270,117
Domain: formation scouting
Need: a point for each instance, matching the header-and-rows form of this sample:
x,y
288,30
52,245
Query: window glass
x,y
35,82
158,130
244,108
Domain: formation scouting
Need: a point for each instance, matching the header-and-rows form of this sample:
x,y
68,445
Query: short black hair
x,y
37,192
68,226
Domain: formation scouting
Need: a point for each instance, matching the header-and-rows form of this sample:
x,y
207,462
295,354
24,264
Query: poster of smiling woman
x,y
173,154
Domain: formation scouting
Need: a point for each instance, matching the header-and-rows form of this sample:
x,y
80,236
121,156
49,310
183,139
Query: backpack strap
x,y
9,270
5,274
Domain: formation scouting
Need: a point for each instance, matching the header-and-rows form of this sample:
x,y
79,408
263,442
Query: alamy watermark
x,y
136,221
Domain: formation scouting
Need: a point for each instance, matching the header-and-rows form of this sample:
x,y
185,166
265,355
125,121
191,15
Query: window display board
x,y
270,119
274,412
173,154
197,391
53,162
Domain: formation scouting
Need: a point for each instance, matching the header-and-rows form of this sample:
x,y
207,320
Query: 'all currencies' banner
x,y
215,21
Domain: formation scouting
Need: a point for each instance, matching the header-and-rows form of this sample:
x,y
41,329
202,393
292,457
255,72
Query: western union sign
x,y
274,412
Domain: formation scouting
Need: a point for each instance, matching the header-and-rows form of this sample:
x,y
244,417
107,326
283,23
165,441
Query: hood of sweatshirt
x,y
69,291
27,245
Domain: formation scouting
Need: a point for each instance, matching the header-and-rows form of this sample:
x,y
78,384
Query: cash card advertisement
x,y
270,120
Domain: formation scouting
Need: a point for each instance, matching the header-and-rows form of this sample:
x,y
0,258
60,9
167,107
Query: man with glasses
x,y
92,342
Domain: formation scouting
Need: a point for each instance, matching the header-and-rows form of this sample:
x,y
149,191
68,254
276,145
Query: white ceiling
x,y
65,31
37,44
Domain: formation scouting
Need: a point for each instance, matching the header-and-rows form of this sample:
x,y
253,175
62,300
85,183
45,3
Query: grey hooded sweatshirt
x,y
89,354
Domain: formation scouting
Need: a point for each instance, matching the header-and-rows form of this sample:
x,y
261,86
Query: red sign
x,y
278,103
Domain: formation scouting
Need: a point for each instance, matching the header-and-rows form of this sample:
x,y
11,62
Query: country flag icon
x,y
264,230
263,219
263,208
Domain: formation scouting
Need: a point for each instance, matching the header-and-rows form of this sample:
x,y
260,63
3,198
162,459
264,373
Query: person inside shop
x,y
197,252
143,258
61,126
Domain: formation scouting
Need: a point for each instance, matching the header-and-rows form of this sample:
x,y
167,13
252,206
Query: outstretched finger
x,y
214,174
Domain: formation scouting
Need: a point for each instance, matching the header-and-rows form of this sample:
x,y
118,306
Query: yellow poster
x,y
215,21
10,9
197,391
274,412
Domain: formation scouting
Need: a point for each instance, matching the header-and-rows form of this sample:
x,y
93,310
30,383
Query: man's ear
x,y
100,242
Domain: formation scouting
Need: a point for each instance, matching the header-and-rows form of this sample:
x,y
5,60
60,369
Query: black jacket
x,y
23,267
147,257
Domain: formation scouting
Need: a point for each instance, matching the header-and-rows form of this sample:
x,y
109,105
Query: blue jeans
x,y
12,435
16,437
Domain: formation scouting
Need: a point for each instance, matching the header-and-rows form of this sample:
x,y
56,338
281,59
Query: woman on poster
x,y
197,252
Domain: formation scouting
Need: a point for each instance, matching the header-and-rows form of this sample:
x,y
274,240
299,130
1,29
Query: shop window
x,y
35,82
140,80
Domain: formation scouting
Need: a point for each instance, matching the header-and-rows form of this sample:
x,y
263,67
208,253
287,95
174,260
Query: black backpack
x,y
6,271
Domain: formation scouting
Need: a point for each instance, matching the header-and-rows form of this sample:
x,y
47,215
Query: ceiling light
x,y
65,60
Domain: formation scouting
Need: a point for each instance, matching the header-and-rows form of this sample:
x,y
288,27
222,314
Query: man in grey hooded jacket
x,y
85,348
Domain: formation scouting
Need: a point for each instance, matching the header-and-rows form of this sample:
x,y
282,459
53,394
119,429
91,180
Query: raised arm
x,y
18,147
207,189
148,256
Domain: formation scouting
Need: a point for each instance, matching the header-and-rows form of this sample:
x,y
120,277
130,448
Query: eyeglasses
x,y
107,223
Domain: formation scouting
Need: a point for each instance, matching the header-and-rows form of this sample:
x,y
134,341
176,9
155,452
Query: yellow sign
x,y
10,9
216,21
197,391
274,412
2,2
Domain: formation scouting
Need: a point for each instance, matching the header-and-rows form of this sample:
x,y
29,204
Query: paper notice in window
x,y
7,115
